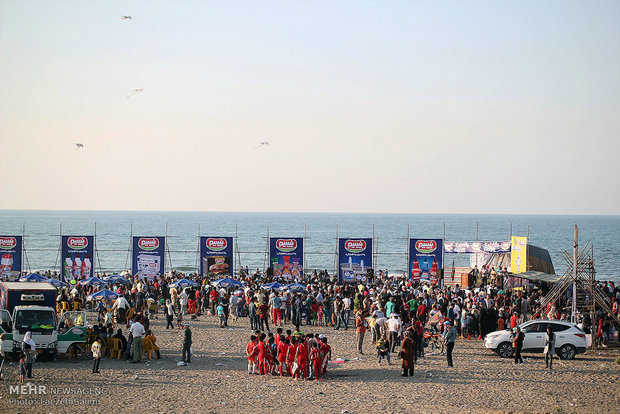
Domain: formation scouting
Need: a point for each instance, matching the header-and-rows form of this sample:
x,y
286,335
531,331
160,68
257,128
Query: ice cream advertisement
x,y
425,259
354,258
10,257
286,257
78,257
216,256
148,257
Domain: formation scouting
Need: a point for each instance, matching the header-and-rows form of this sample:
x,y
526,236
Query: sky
x,y
368,106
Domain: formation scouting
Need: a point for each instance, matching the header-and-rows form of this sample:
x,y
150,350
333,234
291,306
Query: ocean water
x,y
114,228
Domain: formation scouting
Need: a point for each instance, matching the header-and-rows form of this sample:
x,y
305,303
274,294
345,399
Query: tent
x,y
227,282
57,283
183,283
94,281
33,277
296,287
273,286
117,279
535,276
103,294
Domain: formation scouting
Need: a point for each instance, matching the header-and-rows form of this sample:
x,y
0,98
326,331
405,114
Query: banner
x,y
286,257
216,256
518,255
477,247
354,258
11,256
148,257
425,259
77,254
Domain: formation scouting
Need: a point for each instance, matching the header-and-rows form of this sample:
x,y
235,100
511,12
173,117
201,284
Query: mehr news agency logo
x,y
43,395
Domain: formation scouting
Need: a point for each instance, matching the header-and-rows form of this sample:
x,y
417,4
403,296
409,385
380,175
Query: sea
x,y
113,231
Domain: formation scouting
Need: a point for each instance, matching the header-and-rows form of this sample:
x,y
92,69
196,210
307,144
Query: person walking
x,y
169,314
30,349
449,337
394,325
2,355
360,330
407,354
549,347
96,350
137,332
187,344
517,345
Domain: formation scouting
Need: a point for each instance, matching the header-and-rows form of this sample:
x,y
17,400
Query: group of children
x,y
296,354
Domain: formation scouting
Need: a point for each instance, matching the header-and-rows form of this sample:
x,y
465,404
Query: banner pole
x,y
24,254
304,252
374,250
409,254
236,243
335,269
58,254
129,248
266,250
197,251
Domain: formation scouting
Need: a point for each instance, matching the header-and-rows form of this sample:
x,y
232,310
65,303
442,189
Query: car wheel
x,y
504,350
567,352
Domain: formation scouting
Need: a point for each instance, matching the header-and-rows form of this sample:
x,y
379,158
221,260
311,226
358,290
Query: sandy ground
x,y
216,381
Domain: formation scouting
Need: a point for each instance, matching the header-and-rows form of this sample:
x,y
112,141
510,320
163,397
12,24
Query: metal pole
x,y
409,275
58,254
476,231
573,316
198,252
237,249
510,231
130,245
335,269
266,250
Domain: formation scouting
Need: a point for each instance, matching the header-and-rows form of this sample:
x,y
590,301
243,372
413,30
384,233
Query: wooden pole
x,y
573,316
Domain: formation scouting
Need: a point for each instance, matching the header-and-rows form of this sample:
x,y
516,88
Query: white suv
x,y
569,339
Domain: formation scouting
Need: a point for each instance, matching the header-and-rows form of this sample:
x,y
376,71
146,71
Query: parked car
x,y
569,339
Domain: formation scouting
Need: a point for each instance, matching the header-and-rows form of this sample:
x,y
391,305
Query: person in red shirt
x,y
282,351
290,354
360,329
316,357
514,321
422,312
301,356
214,297
263,310
327,352
252,352
262,348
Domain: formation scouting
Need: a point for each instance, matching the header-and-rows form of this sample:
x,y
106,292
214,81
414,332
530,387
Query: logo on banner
x,y
77,242
148,243
286,245
426,246
355,246
7,242
216,244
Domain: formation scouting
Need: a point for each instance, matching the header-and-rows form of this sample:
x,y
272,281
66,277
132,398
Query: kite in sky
x,y
78,145
133,92
126,17
262,144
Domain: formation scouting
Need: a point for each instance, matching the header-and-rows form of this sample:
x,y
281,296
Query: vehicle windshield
x,y
35,320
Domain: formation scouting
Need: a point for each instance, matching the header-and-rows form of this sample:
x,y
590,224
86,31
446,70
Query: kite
x,y
126,17
133,92
262,144
78,145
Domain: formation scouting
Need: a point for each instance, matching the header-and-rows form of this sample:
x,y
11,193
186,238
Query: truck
x,y
31,307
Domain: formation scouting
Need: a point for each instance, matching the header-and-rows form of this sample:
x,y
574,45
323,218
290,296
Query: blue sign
x,y
425,259
11,256
216,256
148,257
354,259
78,255
286,257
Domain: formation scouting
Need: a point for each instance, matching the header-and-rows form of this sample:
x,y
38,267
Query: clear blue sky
x,y
455,107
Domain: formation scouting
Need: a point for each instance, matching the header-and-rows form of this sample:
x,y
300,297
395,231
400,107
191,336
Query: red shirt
x,y
251,350
291,353
282,348
262,349
302,351
513,321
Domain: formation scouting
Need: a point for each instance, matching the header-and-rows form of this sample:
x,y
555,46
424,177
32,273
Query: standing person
x,y
96,350
169,314
549,347
121,305
449,336
29,348
22,367
137,332
187,344
360,330
252,314
316,357
407,354
383,349
263,309
517,345
394,326
2,356
339,313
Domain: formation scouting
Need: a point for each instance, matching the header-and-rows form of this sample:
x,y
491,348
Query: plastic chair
x,y
116,347
64,307
76,305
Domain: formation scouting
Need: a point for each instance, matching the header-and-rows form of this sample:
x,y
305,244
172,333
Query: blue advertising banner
x,y
216,256
148,257
77,254
425,259
11,254
286,257
354,258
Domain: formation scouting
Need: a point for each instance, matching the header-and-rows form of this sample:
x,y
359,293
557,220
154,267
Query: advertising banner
x,y
354,258
11,257
77,254
518,255
477,247
148,257
216,256
425,259
286,257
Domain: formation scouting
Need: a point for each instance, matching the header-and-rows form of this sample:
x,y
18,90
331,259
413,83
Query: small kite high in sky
x,y
78,145
262,144
126,17
133,92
